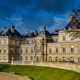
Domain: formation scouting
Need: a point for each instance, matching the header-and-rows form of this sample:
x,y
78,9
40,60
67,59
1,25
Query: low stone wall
x,y
63,65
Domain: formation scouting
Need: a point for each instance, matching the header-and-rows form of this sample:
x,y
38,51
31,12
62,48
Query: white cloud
x,y
59,24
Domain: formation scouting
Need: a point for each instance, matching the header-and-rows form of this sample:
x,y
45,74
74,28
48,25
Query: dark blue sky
x,y
29,15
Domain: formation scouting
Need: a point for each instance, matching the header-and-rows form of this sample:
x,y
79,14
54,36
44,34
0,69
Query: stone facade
x,y
58,46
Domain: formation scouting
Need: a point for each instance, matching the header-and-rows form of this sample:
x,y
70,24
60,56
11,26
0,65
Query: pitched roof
x,y
7,32
75,23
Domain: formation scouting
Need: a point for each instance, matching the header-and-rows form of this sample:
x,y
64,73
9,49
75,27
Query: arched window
x,y
37,58
56,59
26,58
72,59
21,58
16,58
31,58
12,58
50,58
64,59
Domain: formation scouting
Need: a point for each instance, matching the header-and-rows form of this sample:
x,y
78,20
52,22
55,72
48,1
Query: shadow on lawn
x,y
31,78
17,73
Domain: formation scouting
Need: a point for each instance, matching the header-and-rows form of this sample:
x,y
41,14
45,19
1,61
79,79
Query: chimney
x,y
4,28
55,30
35,32
70,19
12,29
27,32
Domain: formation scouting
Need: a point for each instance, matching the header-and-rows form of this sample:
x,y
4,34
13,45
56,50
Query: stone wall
x,y
63,65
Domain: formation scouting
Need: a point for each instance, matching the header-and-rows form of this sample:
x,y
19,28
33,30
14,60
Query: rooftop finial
x,y
44,27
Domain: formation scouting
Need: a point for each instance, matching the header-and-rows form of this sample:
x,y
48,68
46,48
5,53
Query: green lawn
x,y
41,73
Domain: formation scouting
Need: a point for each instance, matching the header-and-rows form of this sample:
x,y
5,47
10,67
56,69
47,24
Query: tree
x,y
75,23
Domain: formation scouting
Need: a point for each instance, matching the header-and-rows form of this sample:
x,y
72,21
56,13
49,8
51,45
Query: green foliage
x,y
41,73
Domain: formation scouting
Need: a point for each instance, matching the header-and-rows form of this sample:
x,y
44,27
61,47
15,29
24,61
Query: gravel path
x,y
8,76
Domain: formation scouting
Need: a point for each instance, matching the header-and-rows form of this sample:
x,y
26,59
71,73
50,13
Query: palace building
x,y
42,46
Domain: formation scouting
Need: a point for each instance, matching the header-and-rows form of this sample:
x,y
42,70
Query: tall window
x,y
4,50
11,50
49,50
16,58
20,42
38,49
32,42
72,37
15,50
0,42
64,59
11,42
50,58
72,59
37,58
4,41
56,50
12,58
26,58
27,42
31,58
21,58
26,50
72,48
0,50
64,49
4,58
0,57
16,42
64,38
31,50
21,50
56,59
